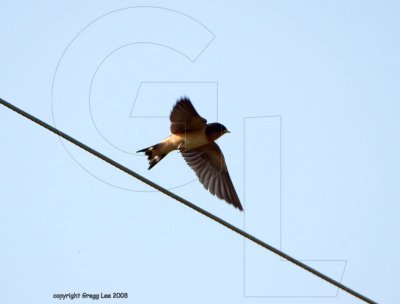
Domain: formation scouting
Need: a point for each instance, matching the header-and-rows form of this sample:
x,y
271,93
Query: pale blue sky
x,y
310,92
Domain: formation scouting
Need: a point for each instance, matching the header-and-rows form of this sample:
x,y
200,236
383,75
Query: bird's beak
x,y
227,131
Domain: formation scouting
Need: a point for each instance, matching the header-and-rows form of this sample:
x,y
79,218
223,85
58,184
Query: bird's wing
x,y
209,165
184,117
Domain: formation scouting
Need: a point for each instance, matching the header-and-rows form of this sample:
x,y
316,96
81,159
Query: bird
x,y
195,139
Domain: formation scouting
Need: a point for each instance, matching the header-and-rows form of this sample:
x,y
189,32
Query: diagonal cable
x,y
186,202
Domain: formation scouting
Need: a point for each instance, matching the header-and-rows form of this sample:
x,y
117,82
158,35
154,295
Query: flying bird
x,y
195,139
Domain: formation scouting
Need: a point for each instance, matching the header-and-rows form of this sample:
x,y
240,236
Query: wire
x,y
186,202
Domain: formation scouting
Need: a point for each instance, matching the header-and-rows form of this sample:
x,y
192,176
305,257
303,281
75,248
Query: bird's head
x,y
215,130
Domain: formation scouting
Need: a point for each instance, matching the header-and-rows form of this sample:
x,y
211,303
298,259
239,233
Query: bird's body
x,y
187,141
195,139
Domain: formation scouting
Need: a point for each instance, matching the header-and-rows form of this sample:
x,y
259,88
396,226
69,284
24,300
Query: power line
x,y
186,202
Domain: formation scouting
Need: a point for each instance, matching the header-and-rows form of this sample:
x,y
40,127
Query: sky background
x,y
310,92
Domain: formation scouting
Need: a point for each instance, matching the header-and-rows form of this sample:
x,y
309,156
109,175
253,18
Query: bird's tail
x,y
154,154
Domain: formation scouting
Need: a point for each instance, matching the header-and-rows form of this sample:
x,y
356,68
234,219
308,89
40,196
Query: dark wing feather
x,y
184,117
209,165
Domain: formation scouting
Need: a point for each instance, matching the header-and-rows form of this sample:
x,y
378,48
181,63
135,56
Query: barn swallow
x,y
195,139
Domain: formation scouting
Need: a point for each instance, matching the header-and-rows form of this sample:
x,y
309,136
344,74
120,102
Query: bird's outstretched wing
x,y
185,118
209,165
